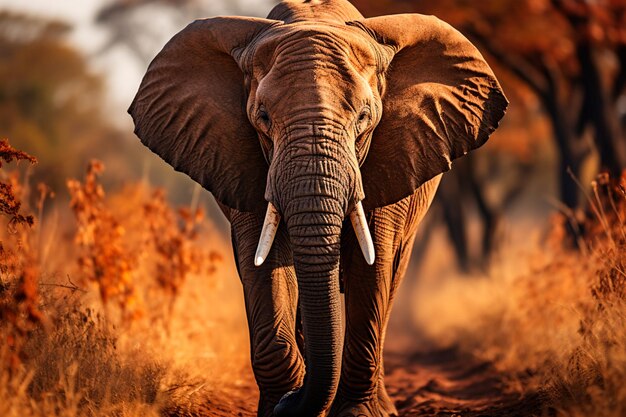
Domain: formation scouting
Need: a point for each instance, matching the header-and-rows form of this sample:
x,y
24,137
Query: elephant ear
x,y
441,101
190,110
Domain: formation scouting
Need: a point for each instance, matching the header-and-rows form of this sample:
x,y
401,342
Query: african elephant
x,y
313,116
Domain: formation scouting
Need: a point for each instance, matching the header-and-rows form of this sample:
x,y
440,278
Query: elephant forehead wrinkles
x,y
326,52
314,67
313,94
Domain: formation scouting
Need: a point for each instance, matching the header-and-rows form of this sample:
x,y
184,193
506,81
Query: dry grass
x,y
104,314
75,369
553,319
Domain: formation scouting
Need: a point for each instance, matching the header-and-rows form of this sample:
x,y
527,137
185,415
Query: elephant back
x,y
290,11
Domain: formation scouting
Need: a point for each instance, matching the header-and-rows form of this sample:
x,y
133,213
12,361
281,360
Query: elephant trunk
x,y
314,200
316,258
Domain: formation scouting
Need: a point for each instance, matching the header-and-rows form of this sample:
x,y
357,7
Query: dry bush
x,y
172,239
554,322
57,359
19,310
104,259
61,353
134,235
10,205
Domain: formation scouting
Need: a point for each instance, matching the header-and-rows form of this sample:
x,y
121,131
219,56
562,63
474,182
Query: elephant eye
x,y
264,117
363,119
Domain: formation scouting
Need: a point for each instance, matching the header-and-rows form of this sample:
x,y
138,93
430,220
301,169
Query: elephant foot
x,y
287,404
269,402
380,405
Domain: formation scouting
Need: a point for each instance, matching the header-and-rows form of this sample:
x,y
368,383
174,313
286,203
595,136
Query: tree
x,y
571,56
50,102
570,53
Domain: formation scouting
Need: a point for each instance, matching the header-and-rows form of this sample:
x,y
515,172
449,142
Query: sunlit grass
x,y
111,310
553,320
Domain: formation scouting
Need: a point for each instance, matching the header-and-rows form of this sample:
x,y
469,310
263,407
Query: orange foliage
x,y
19,295
9,204
166,250
172,240
104,259
60,357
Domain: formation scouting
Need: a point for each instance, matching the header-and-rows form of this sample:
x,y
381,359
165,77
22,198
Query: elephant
x,y
322,135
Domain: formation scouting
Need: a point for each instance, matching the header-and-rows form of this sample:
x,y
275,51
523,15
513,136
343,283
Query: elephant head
x,y
312,115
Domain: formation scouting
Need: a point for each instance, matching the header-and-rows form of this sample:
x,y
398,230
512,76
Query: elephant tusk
x,y
270,225
357,217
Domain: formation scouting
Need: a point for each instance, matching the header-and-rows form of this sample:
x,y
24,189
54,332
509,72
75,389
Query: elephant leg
x,y
271,297
369,294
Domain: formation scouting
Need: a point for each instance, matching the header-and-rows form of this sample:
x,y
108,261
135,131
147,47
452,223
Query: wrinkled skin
x,y
314,110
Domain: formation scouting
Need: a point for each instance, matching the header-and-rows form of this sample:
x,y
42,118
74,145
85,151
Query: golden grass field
x,y
120,305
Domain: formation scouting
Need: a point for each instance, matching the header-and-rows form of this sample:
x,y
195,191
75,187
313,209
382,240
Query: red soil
x,y
433,383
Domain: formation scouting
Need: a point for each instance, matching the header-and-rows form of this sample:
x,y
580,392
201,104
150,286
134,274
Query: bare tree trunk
x,y
451,198
552,88
572,153
603,113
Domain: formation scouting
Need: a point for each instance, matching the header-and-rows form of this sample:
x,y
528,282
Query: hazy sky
x,y
77,12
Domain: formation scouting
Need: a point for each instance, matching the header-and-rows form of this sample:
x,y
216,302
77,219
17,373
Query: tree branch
x,y
515,63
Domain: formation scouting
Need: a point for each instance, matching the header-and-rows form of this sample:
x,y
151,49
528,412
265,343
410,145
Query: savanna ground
x,y
121,305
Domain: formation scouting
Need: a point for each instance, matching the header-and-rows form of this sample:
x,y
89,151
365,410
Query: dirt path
x,y
449,383
432,383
